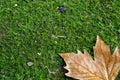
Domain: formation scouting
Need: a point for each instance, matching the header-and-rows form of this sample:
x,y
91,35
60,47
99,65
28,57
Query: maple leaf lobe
x,y
104,66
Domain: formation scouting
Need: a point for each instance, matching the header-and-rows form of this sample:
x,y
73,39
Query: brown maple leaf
x,y
104,66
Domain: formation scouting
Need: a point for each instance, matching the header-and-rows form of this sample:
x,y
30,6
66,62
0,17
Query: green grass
x,y
26,34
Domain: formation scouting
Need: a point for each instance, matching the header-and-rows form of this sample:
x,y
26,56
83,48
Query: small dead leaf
x,y
104,66
58,36
30,63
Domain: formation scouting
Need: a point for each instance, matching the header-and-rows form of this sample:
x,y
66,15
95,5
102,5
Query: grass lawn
x,y
36,31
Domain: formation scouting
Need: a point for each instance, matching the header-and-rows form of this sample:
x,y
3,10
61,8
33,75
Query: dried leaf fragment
x,y
104,66
30,63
